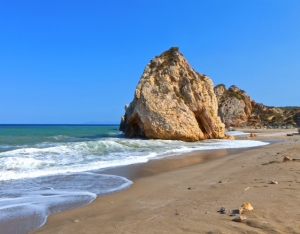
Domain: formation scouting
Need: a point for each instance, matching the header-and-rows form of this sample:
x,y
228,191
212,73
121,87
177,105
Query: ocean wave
x,y
104,153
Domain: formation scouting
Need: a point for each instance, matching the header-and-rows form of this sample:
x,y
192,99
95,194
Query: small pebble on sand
x,y
240,218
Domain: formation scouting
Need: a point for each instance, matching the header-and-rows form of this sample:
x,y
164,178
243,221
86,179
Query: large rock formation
x,y
172,101
236,109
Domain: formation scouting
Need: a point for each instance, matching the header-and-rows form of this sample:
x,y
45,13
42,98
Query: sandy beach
x,y
185,193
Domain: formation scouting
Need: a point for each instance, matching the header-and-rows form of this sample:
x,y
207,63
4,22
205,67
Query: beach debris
x,y
290,134
253,134
189,188
245,207
76,221
246,188
287,158
239,218
176,212
221,181
273,182
223,210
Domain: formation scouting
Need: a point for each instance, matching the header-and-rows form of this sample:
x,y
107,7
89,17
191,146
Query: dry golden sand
x,y
187,199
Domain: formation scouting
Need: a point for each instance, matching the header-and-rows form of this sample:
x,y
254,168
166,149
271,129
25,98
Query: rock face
x,y
234,105
236,109
172,101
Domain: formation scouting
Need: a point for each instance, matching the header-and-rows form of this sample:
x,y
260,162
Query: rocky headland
x,y
172,101
236,109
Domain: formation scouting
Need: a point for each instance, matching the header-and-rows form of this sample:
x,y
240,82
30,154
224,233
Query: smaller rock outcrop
x,y
235,105
236,109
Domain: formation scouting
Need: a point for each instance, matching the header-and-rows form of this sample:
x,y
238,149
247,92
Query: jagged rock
x,y
236,109
172,101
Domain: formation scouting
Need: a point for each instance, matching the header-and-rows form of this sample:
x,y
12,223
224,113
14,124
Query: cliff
x,y
236,109
172,101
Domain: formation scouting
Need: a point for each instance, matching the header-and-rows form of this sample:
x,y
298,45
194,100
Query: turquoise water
x,y
20,136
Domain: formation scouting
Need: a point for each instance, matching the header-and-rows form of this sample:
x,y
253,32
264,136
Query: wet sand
x,y
184,194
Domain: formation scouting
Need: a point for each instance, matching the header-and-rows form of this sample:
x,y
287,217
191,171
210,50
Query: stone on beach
x,y
223,210
240,218
245,207
287,158
172,101
229,137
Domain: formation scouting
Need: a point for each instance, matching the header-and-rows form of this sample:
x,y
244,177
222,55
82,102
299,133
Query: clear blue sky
x,y
79,61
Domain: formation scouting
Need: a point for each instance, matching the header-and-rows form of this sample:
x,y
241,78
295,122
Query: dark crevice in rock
x,y
202,123
135,127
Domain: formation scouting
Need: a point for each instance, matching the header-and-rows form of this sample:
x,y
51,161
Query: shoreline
x,y
160,192
166,164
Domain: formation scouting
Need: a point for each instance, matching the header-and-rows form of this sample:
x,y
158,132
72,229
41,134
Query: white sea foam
x,y
236,133
28,202
30,212
5,146
93,155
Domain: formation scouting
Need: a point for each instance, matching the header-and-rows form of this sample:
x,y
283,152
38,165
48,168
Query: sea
x,y
46,169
